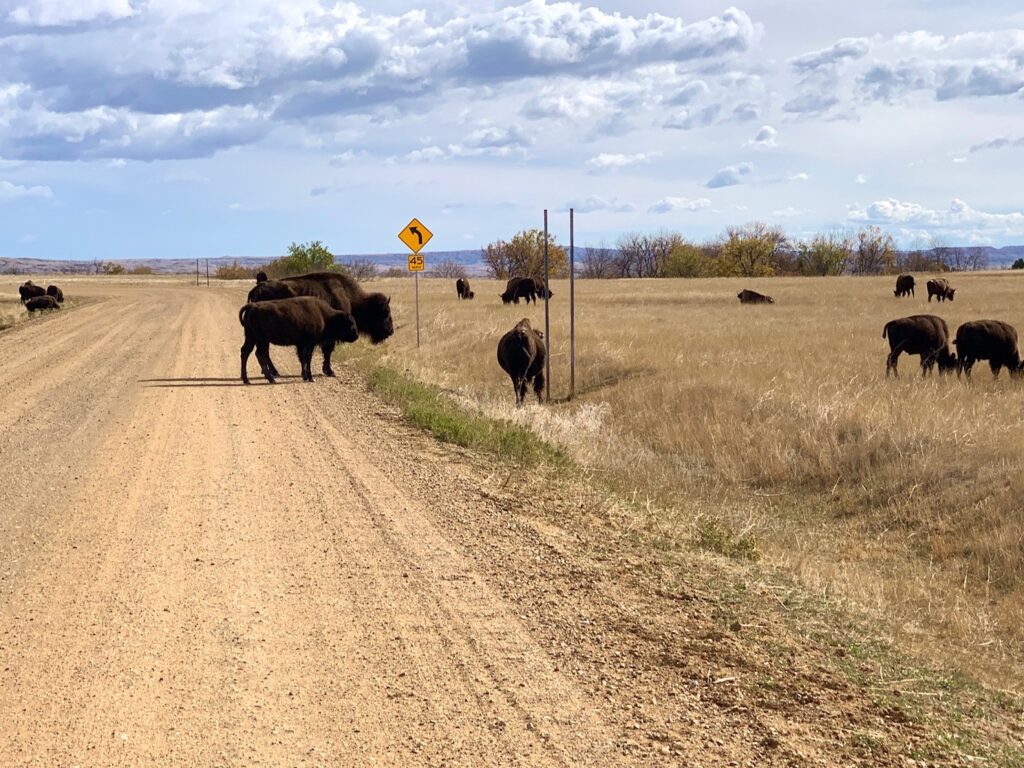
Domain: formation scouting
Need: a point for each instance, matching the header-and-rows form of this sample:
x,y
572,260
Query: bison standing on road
x,y
41,302
904,286
372,311
939,287
462,288
521,354
57,293
29,291
924,335
302,322
991,340
753,297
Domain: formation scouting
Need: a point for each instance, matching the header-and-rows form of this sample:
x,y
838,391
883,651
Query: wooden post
x,y
197,272
207,273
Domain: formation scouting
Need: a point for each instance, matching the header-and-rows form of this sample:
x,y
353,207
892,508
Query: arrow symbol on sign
x,y
416,231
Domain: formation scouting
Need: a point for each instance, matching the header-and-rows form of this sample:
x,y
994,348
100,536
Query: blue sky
x,y
187,128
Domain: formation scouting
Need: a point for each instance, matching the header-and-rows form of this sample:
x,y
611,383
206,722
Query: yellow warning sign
x,y
415,262
415,236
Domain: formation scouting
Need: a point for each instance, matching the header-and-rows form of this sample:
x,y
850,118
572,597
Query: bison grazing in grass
x,y
372,311
302,322
41,302
528,288
924,335
939,287
753,297
30,291
991,340
904,286
57,293
521,354
462,288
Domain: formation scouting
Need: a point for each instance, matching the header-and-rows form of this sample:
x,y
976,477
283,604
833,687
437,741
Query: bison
x,y
29,291
991,340
521,354
753,297
528,288
924,335
904,286
372,311
302,322
57,293
462,289
41,302
939,287
261,277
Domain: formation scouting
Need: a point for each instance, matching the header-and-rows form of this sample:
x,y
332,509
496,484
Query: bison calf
x,y
41,302
302,322
939,287
924,335
904,286
521,354
753,297
462,288
991,340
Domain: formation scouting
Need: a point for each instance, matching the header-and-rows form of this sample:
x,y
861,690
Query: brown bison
x,y
41,302
372,311
528,288
753,297
261,277
904,286
924,335
57,293
302,322
991,340
29,291
462,288
521,354
939,287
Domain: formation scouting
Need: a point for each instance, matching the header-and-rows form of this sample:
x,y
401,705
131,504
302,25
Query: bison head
x,y
470,295
374,317
506,297
343,327
946,361
949,295
261,277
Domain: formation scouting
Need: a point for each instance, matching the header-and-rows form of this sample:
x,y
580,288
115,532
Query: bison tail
x,y
241,314
885,330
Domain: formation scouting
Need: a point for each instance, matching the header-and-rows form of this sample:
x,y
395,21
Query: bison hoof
x,y
329,372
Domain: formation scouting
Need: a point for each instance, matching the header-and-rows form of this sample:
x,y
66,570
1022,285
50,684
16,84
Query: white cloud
x,y
10,191
730,176
595,203
609,161
801,176
490,140
764,138
847,48
788,212
45,13
958,219
671,204
860,178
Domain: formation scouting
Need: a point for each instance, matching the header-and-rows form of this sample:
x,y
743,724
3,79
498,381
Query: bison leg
x,y
306,361
996,368
538,386
327,348
890,364
247,348
263,355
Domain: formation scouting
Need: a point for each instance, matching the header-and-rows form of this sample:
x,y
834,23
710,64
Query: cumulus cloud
x,y
608,161
11,191
847,48
490,140
671,204
730,176
596,203
55,13
959,218
701,118
764,138
1000,142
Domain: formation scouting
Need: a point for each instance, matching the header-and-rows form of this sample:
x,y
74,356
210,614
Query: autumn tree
x,y
752,250
875,253
523,256
302,258
449,269
826,254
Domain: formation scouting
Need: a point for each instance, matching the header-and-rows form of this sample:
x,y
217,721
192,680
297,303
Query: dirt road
x,y
193,572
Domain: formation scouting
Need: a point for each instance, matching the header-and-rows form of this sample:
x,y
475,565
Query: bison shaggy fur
x,y
904,286
41,302
462,289
521,354
939,287
29,290
753,297
924,335
991,340
302,322
57,293
528,288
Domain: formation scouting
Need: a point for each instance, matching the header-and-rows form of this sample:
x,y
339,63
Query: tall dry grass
x,y
776,425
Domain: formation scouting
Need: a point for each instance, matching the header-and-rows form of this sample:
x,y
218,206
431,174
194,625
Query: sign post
x,y
547,313
415,235
572,305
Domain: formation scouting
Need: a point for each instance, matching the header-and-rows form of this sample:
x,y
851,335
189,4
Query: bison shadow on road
x,y
210,381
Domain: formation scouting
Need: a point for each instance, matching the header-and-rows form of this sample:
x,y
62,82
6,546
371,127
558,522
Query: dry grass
x,y
772,432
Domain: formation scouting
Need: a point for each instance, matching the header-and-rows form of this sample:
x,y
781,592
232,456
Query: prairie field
x,y
771,432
